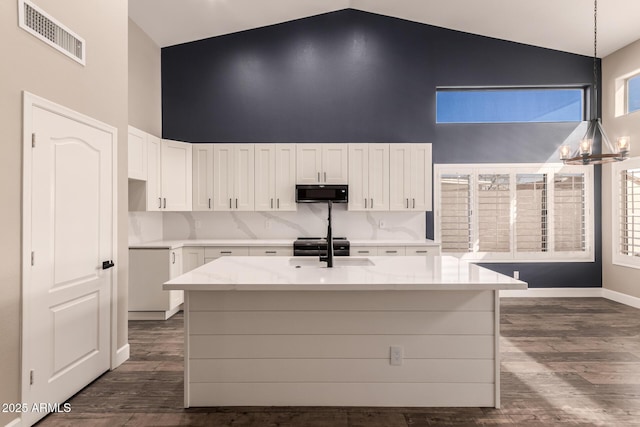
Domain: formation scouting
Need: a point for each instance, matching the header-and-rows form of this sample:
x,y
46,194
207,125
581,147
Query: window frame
x,y
515,169
616,257
584,104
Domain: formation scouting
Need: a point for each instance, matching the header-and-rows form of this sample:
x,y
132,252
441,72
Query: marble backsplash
x,y
308,220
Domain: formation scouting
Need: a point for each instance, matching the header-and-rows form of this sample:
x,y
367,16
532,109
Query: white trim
x,y
616,257
621,298
122,355
154,315
15,423
553,293
29,102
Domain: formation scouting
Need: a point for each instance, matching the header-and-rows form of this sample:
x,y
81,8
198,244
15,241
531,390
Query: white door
x,y
421,177
265,183
202,177
177,175
285,177
378,177
309,163
359,177
335,165
154,196
222,177
243,177
399,176
67,293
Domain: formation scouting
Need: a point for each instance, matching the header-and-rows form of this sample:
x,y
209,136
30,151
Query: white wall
x,y
98,90
618,64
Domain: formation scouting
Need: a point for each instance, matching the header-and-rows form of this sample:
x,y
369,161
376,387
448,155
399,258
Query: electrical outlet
x,y
381,224
516,274
396,355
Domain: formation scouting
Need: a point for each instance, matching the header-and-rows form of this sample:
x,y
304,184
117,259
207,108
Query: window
x,y
626,213
633,94
494,105
515,212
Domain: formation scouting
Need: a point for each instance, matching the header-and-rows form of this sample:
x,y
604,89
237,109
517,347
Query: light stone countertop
x,y
175,244
306,273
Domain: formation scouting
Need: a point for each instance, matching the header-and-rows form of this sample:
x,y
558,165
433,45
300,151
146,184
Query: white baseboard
x,y
621,298
122,355
553,293
154,315
15,423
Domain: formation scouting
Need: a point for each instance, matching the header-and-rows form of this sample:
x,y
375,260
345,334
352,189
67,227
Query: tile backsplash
x,y
308,220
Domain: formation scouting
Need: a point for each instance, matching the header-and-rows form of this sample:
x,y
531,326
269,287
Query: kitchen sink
x,y
337,262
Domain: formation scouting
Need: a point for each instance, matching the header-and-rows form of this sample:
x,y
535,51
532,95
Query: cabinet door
x,y
243,177
222,177
422,250
391,251
421,177
192,258
137,154
309,163
202,177
154,183
359,199
335,164
270,251
177,175
285,177
363,251
399,176
378,177
265,177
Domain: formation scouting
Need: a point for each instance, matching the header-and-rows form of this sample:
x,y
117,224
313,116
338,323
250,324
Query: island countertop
x,y
348,274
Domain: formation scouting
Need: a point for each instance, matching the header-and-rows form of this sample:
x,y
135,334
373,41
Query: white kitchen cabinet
x,y
391,251
192,258
148,270
202,177
363,251
275,177
410,180
233,171
214,252
137,154
270,251
422,250
369,177
154,173
322,163
177,175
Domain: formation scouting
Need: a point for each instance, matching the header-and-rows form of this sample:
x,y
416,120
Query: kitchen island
x,y
378,331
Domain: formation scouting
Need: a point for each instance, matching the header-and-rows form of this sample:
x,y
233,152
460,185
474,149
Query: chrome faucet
x,y
329,257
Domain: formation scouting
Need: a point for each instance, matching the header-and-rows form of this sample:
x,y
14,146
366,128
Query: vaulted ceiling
x,y
565,25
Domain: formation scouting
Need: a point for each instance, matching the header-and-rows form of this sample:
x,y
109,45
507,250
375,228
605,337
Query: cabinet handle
x,y
209,203
226,252
159,202
325,177
269,252
372,203
229,203
421,252
365,203
236,203
407,203
174,257
318,176
363,252
165,203
278,202
414,203
391,252
271,203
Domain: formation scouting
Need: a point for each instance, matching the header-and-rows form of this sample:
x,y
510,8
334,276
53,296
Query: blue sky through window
x,y
633,94
509,105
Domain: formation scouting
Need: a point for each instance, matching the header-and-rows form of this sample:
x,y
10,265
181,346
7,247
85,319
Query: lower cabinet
x,y
394,250
214,252
148,270
192,258
270,251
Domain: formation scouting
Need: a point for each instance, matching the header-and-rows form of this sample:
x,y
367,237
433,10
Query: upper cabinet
x,y
233,177
137,154
154,173
202,177
369,177
176,175
322,164
275,177
410,177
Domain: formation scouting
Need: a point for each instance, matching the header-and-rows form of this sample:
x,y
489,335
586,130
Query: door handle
x,y
365,203
407,203
236,203
174,257
271,203
414,203
107,264
165,203
325,177
318,176
372,203
229,203
209,203
278,203
159,202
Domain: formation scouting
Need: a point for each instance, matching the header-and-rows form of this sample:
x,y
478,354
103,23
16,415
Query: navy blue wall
x,y
352,76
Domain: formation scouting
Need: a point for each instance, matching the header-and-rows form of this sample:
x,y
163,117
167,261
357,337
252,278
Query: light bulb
x,y
565,152
585,147
623,145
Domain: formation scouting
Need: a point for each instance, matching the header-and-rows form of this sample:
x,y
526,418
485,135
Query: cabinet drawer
x,y
218,251
391,250
422,250
270,251
363,251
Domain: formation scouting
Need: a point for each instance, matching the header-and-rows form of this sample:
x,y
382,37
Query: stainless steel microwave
x,y
319,193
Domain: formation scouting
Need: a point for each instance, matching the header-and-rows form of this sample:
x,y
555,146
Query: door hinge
x,y
31,375
33,140
33,257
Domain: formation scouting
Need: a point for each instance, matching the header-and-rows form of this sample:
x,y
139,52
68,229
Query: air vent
x,y
37,22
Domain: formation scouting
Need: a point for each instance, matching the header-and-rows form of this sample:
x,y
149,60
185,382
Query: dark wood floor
x,y
565,362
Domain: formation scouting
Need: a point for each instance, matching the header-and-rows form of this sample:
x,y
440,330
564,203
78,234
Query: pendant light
x,y
584,154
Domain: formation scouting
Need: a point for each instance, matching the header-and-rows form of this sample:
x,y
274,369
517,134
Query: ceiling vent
x,y
37,22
